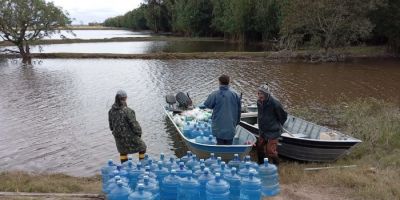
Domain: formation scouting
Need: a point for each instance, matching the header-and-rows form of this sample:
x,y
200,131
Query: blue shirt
x,y
226,107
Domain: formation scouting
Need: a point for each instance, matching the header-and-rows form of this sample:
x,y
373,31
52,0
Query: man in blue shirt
x,y
226,107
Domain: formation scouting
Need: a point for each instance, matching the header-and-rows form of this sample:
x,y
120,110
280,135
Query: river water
x,y
53,115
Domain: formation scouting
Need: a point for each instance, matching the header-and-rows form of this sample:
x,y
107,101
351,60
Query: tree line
x,y
291,24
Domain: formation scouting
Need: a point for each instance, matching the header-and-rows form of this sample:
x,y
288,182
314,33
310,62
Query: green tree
x,y
325,23
193,18
24,21
387,23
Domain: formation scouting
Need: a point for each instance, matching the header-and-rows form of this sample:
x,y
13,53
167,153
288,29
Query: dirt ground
x,y
303,192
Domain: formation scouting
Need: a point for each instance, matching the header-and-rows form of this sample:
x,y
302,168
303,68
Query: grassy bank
x,y
120,39
376,176
302,55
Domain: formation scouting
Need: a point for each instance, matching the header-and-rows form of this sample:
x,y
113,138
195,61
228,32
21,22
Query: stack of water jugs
x,y
188,178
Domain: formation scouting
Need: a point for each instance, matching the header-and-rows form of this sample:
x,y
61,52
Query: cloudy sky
x,y
85,11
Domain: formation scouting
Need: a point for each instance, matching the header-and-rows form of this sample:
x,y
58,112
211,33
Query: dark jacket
x,y
271,117
226,106
126,130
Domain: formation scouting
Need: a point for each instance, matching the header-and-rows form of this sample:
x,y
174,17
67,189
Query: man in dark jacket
x,y
226,106
271,117
126,130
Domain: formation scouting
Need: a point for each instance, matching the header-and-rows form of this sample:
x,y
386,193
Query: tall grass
x,y
377,124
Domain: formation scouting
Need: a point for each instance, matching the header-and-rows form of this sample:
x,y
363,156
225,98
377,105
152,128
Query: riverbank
x,y
375,176
375,52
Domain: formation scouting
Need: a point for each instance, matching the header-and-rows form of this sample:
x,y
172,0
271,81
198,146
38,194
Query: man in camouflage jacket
x,y
126,130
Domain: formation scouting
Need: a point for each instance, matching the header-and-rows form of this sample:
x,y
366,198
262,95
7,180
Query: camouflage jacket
x,y
126,130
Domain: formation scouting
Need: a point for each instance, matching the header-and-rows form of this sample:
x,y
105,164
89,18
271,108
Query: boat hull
x,y
226,152
312,150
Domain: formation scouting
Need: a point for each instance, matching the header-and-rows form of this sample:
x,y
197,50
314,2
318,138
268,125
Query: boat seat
x,y
295,135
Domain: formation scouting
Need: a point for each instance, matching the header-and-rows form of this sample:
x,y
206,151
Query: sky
x,y
85,11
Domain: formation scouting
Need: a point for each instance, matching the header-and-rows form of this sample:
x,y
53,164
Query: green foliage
x,y
23,21
387,21
134,19
325,23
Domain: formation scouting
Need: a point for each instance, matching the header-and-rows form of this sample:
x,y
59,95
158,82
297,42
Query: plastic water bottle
x,y
172,164
145,161
207,130
197,166
211,140
112,183
222,170
125,164
196,132
269,179
189,189
169,191
122,172
200,171
201,139
151,186
148,173
140,194
119,192
251,187
244,172
182,171
235,162
203,180
187,129
217,189
216,165
252,164
211,160
187,157
152,165
191,164
106,171
234,182
134,175
161,172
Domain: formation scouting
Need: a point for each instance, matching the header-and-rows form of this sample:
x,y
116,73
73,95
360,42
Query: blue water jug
x,y
211,160
216,165
145,160
207,130
140,194
119,192
122,172
251,187
150,186
187,129
112,183
244,172
195,133
191,164
235,162
252,164
200,171
187,157
217,189
211,140
125,164
203,180
134,175
161,172
189,189
106,171
169,191
152,165
172,164
222,170
201,139
234,182
182,171
197,166
268,174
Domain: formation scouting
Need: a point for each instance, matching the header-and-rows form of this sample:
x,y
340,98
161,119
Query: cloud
x,y
86,11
